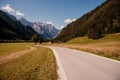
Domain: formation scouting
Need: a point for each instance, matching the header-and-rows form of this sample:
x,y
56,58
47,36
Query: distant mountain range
x,y
13,29
104,19
46,30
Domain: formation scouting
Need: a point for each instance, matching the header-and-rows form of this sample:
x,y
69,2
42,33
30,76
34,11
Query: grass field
x,y
108,46
39,64
7,48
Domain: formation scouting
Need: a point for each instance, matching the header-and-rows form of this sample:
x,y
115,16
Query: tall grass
x,y
37,65
110,50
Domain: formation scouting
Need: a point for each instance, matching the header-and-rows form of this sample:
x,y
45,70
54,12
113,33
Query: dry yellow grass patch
x,y
110,49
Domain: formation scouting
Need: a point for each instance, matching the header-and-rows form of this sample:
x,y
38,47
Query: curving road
x,y
78,65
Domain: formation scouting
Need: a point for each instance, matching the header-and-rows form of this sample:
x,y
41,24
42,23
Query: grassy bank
x,y
37,65
7,48
108,46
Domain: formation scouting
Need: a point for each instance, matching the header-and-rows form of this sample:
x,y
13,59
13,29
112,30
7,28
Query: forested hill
x,y
12,29
104,19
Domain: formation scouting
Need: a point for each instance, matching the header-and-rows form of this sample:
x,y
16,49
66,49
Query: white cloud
x,y
12,11
69,20
62,27
8,8
18,13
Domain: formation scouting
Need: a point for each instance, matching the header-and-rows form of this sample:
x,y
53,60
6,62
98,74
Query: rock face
x,y
104,19
46,30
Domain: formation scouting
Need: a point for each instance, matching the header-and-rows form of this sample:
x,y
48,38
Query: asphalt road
x,y
78,65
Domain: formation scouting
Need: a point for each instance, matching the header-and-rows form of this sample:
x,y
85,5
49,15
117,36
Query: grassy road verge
x,y
108,46
110,50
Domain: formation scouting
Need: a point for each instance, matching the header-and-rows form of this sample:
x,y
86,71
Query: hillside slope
x,y
11,29
104,19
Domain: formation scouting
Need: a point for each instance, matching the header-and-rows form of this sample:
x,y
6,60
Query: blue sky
x,y
59,12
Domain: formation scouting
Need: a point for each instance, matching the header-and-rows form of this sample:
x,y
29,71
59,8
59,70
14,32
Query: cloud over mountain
x,y
8,8
12,11
69,20
62,27
19,13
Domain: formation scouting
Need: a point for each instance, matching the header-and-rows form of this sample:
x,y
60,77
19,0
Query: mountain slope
x,y
46,30
104,19
25,22
12,29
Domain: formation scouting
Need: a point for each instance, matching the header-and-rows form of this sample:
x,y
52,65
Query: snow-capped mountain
x,y
45,29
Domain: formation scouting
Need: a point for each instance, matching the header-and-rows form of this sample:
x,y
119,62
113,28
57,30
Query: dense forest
x,y
104,19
